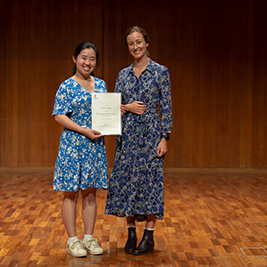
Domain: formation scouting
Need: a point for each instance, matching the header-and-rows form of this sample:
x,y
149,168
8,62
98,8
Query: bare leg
x,y
69,212
89,210
151,221
130,221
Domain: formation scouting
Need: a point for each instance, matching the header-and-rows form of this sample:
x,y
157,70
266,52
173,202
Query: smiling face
x,y
85,62
137,45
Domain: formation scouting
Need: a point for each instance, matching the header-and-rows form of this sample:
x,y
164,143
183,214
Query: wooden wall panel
x,y
215,52
40,39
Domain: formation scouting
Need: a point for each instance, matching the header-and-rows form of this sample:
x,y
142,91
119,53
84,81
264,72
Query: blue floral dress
x,y
136,182
81,163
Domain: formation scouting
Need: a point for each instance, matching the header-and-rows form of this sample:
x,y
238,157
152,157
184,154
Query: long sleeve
x,y
165,101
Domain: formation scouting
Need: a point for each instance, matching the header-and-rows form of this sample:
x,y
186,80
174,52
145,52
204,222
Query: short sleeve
x,y
62,105
105,87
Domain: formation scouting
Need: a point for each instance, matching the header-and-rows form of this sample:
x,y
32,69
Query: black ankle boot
x,y
131,242
146,245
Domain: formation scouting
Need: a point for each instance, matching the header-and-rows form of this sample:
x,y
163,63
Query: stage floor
x,y
211,219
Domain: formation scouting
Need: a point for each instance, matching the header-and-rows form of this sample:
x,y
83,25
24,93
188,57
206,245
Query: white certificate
x,y
106,113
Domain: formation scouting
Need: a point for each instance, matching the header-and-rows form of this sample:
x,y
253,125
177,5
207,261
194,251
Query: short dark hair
x,y
82,46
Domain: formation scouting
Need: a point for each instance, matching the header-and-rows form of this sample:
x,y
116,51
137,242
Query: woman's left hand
x,y
162,148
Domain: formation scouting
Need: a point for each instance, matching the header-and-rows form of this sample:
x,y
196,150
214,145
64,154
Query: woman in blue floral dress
x,y
136,184
81,163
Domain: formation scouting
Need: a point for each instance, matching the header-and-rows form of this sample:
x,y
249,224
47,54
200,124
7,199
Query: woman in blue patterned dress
x,y
136,184
81,163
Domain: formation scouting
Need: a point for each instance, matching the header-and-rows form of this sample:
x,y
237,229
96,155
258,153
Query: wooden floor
x,y
211,219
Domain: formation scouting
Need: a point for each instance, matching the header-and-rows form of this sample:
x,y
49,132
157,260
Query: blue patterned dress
x,y
81,163
136,182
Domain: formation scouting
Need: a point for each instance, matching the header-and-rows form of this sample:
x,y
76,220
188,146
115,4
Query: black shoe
x,y
146,245
131,242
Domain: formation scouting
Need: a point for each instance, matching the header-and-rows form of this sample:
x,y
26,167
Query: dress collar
x,y
149,67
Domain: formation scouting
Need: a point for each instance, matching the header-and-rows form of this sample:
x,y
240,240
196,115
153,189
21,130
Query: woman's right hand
x,y
137,107
66,122
92,134
123,109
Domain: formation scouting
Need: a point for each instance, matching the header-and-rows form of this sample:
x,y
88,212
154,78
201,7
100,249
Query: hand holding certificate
x,y
106,113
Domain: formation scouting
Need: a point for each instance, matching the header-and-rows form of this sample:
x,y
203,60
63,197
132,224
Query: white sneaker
x,y
76,249
90,244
